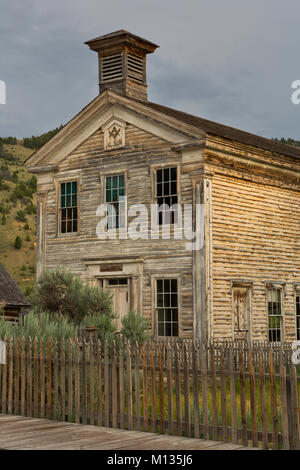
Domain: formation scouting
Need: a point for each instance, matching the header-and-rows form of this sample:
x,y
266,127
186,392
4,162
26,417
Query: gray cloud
x,y
231,61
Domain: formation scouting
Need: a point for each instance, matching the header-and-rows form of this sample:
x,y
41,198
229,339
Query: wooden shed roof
x,y
227,132
10,293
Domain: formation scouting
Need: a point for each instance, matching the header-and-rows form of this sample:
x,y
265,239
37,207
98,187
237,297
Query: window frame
x,y
153,173
109,173
154,279
297,294
280,287
69,179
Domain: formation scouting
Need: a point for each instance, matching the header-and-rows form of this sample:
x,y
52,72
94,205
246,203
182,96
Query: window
x,y
166,193
167,306
298,313
118,282
68,207
275,314
115,195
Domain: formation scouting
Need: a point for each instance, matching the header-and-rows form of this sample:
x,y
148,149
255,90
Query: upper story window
x,y
298,313
69,207
166,195
275,314
114,197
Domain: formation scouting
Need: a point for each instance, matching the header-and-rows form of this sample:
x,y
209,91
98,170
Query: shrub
x,y
59,292
18,243
21,217
135,328
40,325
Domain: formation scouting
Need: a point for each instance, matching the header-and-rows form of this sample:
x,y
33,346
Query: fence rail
x,y
239,393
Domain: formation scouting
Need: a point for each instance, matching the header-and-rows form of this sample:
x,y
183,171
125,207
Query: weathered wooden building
x,y
244,281
12,300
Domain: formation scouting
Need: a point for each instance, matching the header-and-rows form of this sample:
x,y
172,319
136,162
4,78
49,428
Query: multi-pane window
x,y
298,313
275,314
68,207
115,194
166,194
167,307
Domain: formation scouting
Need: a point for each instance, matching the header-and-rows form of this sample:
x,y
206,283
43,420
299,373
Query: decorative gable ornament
x,y
114,134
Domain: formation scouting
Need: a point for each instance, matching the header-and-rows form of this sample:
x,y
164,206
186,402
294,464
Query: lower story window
x,y
298,314
275,314
167,307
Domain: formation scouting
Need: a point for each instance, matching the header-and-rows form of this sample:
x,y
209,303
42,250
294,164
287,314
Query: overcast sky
x,y
231,61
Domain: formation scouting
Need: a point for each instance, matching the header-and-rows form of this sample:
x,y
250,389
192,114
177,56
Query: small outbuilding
x,y
11,297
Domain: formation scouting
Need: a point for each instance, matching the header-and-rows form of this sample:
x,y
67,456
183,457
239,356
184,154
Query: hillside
x,y
17,215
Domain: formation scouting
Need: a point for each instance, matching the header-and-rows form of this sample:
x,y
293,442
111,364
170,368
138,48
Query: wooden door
x,y
241,312
121,301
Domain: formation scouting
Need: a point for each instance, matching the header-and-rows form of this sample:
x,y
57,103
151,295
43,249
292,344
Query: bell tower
x,y
122,62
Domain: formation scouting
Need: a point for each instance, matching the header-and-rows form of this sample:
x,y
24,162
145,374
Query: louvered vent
x,y
112,67
136,68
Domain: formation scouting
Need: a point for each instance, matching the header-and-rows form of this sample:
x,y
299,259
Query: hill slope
x,y
17,215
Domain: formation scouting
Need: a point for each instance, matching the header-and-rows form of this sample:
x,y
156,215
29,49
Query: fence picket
x,y
170,389
99,385
145,387
204,392
70,380
187,411
35,379
10,375
273,401
253,399
17,377
129,387
23,377
283,400
92,382
223,394
137,387
161,391
234,433
63,380
213,393
77,382
121,385
42,380
263,401
178,391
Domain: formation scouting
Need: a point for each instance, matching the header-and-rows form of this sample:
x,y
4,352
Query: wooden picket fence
x,y
238,393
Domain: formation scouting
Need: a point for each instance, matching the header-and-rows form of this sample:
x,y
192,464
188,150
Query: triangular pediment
x,y
110,113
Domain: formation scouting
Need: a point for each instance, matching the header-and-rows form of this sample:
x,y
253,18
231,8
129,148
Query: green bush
x,y
135,328
60,292
41,325
18,243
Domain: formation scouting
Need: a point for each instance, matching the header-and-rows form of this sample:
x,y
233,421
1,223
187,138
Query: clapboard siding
x,y
160,256
255,237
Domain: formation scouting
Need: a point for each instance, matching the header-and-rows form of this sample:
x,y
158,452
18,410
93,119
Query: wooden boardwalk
x,y
22,433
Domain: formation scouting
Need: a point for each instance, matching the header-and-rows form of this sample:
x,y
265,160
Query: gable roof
x,y
109,97
227,132
10,294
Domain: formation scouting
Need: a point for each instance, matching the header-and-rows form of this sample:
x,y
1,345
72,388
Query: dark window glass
x,y
115,192
298,314
166,195
274,315
68,207
167,307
